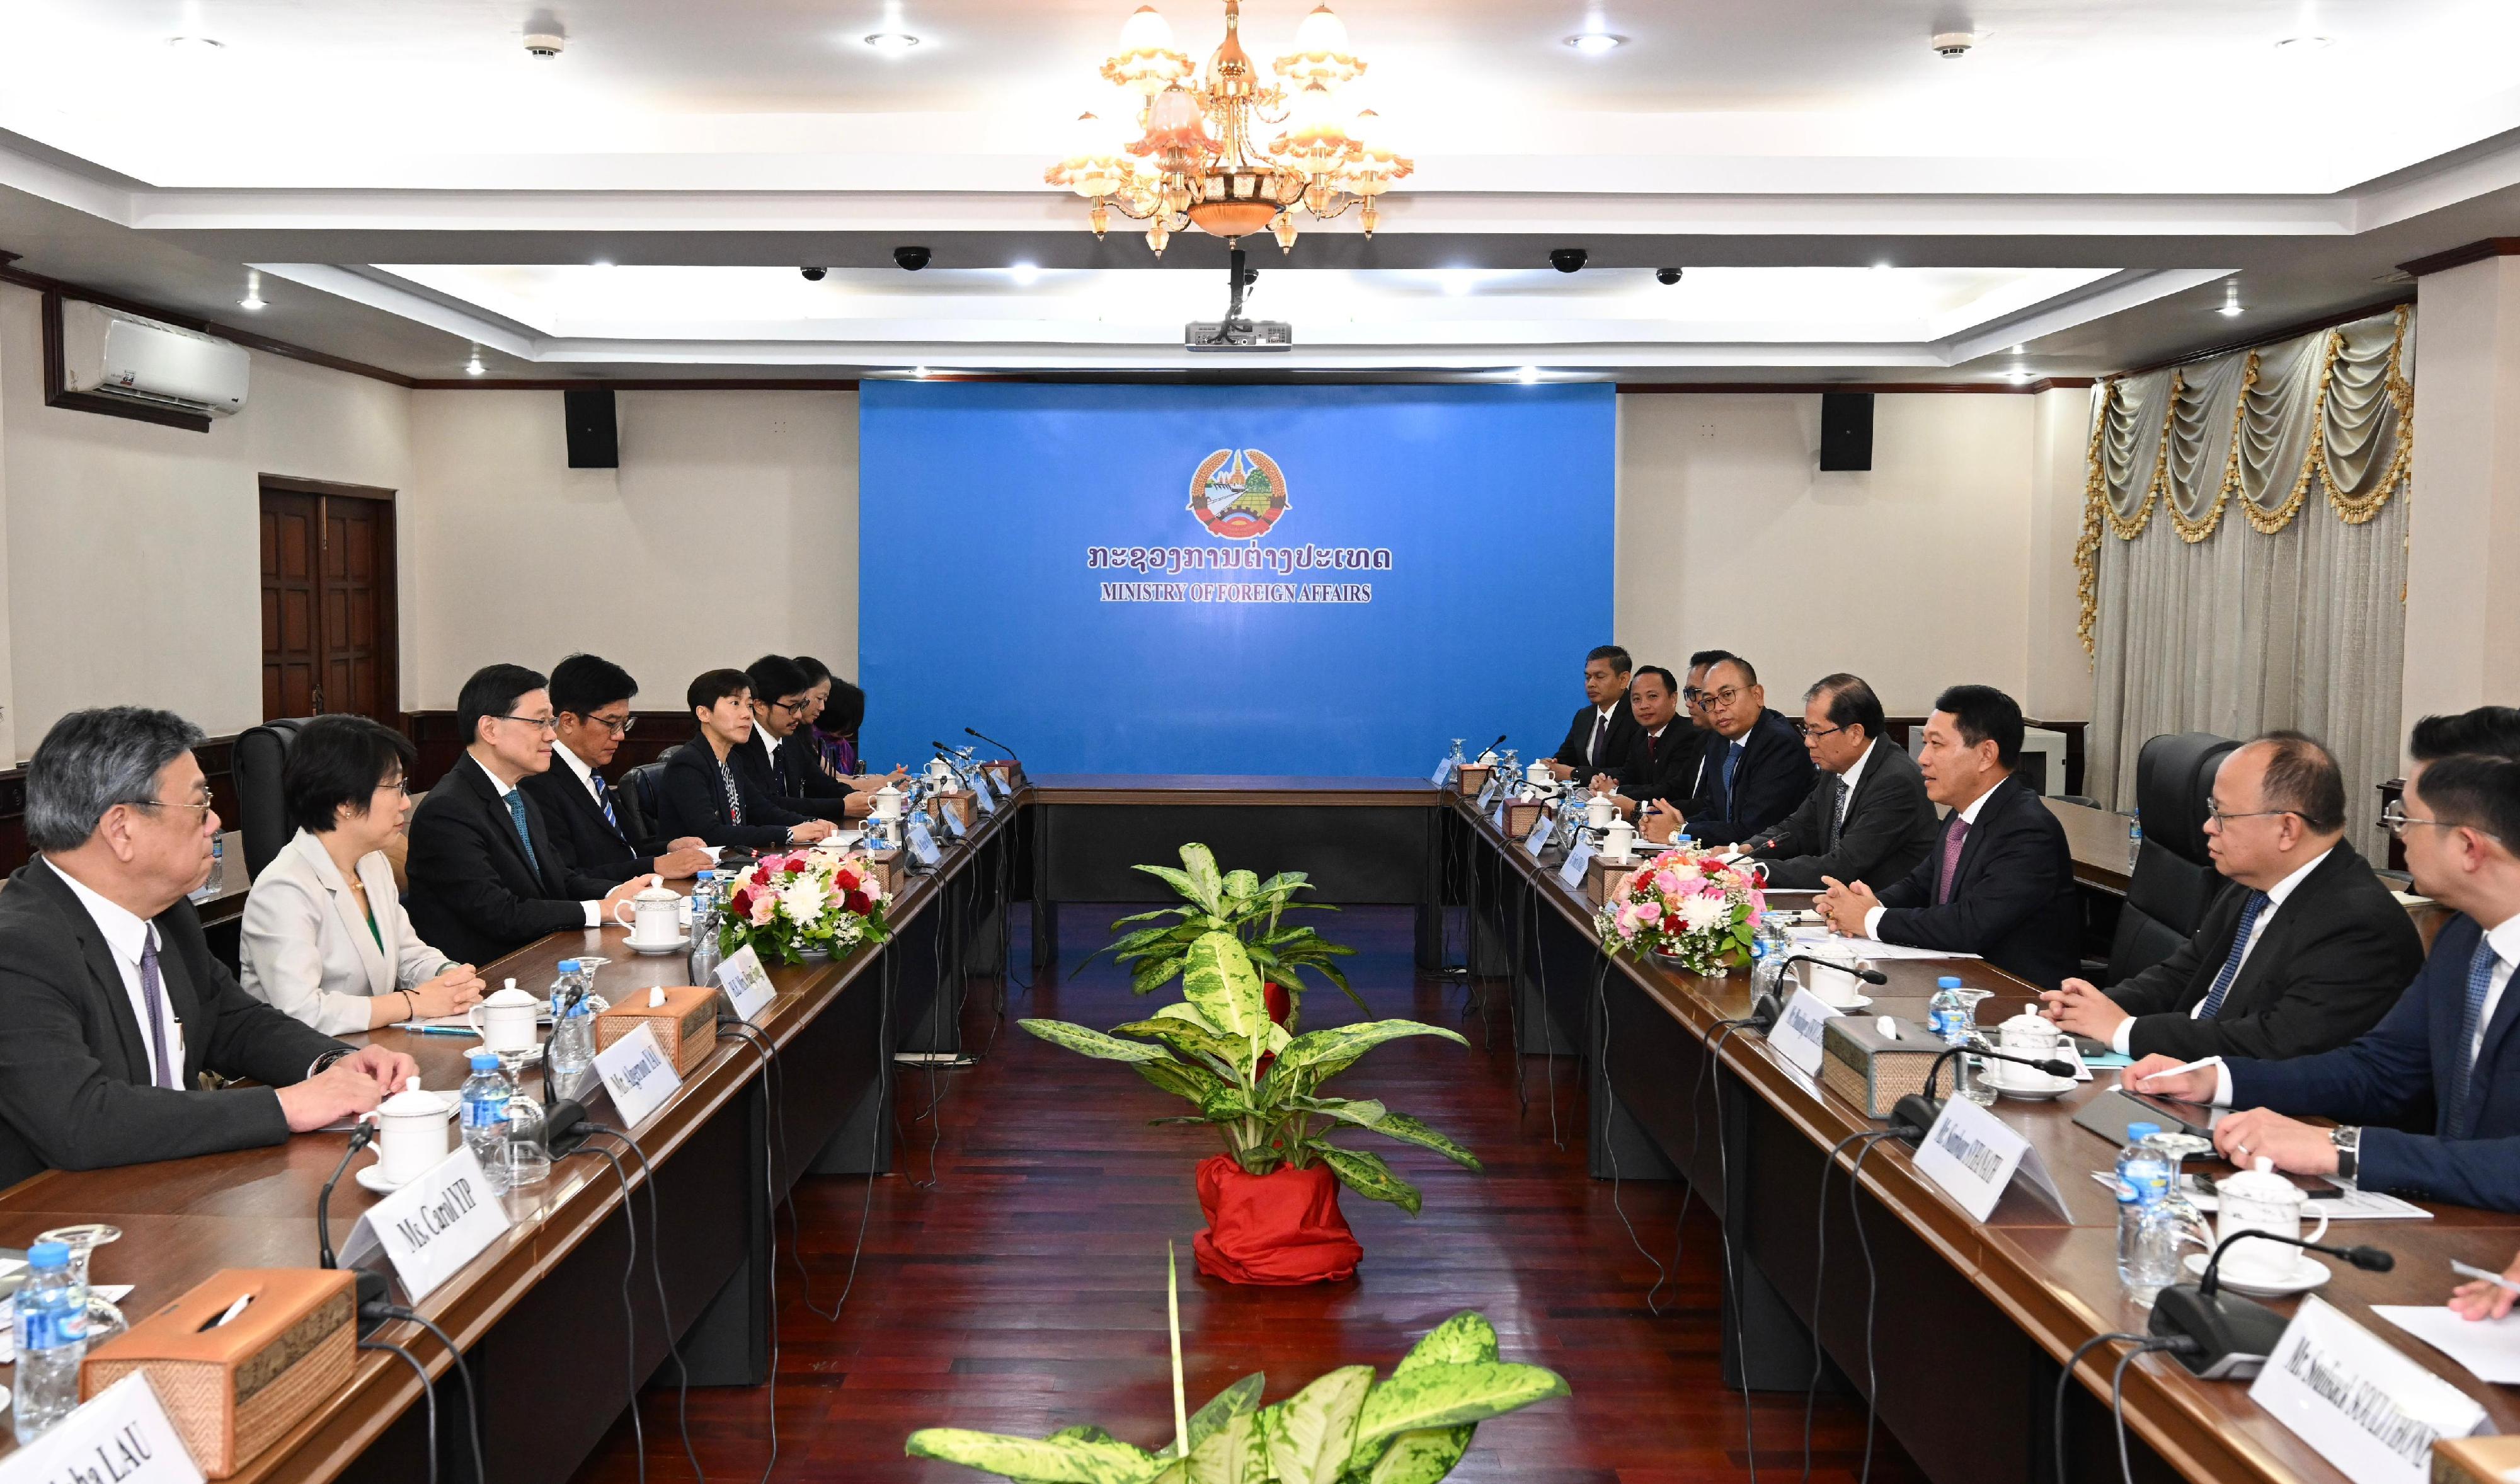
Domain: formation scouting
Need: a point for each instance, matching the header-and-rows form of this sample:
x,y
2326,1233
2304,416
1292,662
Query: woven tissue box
x,y
1471,777
231,1389
1521,814
1871,1070
886,865
686,1025
1603,879
960,801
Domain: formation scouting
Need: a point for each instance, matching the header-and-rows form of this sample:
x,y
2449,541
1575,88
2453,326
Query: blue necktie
x,y
2480,973
603,800
2257,903
524,836
1732,764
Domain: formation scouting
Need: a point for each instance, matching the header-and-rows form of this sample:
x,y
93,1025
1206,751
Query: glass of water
x,y
82,1239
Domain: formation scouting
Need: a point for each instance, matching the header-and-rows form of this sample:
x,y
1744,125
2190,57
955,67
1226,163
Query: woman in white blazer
x,y
325,937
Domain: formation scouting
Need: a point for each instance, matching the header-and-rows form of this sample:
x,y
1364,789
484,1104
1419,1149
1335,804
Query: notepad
x,y
2489,1349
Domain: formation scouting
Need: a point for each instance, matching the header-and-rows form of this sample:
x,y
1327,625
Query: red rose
x,y
741,903
859,902
844,880
761,876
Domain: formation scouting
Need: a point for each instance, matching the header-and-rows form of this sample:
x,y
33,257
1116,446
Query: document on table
x,y
1867,948
2489,1349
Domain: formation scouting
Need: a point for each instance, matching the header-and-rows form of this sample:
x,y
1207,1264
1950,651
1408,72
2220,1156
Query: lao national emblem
x,y
1237,493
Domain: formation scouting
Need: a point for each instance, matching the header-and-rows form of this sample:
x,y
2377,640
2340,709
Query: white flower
x,y
1701,913
804,899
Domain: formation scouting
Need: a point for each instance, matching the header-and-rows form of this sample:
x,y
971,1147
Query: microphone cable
x,y
1723,1227
772,1156
463,1372
1819,1273
1610,1110
427,1395
877,1123
629,1314
657,1273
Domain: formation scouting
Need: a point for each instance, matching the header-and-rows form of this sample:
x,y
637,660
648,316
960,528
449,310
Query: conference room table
x,y
1968,1321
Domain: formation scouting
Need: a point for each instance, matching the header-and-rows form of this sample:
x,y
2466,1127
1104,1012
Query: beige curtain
x,y
2243,563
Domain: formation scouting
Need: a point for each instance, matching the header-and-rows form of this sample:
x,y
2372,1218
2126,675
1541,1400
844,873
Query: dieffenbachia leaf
x,y
1201,864
1218,979
1188,1037
1239,1399
1341,1044
1367,1176
1365,1112
1183,1080
1450,1396
1093,1043
1464,1339
1036,1461
1316,1428
1409,1130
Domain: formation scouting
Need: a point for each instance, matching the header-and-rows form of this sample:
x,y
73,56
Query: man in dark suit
x,y
598,825
1867,818
1662,756
2443,1059
487,874
791,774
1597,740
113,1004
1755,769
1999,880
2305,950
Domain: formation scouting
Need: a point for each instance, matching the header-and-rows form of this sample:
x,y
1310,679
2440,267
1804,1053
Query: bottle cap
x,y
568,966
706,877
48,1254
1948,982
2137,1133
484,1061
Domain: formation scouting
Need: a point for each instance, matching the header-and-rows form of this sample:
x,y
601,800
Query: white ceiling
x,y
2085,183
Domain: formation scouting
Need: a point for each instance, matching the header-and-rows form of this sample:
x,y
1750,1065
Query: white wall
x,y
1939,565
132,569
2464,514
729,530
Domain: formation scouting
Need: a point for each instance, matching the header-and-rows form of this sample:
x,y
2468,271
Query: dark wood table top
x,y
1232,788
2057,1274
2099,839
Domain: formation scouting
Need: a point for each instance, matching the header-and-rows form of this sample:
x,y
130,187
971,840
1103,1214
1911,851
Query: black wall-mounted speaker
x,y
1845,430
595,439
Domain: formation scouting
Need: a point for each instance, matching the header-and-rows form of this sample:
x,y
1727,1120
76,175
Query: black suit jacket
x,y
2328,965
473,895
1774,775
1661,767
2012,898
692,800
594,846
76,1089
1889,827
791,777
1575,752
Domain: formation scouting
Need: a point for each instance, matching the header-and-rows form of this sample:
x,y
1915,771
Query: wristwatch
x,y
2349,1149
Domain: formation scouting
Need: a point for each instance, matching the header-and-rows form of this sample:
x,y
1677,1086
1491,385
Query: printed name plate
x,y
1973,1154
923,845
1796,1035
746,984
2367,1408
122,1435
1571,874
1541,829
1443,773
953,819
981,795
637,1075
435,1224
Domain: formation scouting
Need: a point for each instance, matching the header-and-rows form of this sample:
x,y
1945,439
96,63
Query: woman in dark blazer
x,y
702,793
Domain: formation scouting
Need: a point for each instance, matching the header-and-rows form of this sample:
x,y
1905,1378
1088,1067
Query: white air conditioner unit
x,y
129,356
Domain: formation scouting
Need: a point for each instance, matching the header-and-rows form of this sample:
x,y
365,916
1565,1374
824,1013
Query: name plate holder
x,y
1538,839
122,1435
923,845
2363,1403
437,1222
981,794
638,1074
1579,861
1975,1155
746,985
1797,1034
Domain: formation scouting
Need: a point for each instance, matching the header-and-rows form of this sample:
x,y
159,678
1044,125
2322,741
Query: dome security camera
x,y
1666,276
1568,259
911,260
1953,43
813,275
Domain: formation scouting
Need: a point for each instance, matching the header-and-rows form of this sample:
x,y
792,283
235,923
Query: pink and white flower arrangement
x,y
1686,907
806,902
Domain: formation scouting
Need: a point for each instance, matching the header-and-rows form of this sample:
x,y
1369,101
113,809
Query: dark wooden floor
x,y
1016,1283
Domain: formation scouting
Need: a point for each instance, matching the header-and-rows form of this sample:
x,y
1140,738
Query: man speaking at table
x,y
1999,880
1867,818
2305,950
111,1002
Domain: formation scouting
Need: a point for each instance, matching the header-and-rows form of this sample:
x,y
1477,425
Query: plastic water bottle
x,y
486,1096
701,966
2134,840
2147,1249
564,988
51,1308
1952,1021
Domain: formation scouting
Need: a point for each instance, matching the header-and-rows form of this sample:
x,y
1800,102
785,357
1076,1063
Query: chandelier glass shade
x,y
1223,149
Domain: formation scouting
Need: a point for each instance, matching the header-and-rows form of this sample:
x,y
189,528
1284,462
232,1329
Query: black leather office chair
x,y
2174,878
642,783
258,758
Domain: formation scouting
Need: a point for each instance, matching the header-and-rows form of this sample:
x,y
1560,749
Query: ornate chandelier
x,y
1197,157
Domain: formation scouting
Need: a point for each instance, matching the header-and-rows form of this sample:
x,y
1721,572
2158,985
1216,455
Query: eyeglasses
x,y
546,724
619,727
204,806
790,705
1723,697
401,786
2395,820
2222,815
1808,729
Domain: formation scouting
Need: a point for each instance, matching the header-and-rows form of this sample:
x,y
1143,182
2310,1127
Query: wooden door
x,y
328,600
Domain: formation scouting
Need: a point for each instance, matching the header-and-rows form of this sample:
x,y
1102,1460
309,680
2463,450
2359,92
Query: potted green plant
x,y
1344,1428
1237,902
1271,1198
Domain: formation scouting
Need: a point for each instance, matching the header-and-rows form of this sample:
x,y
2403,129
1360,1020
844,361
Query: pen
x,y
2184,1066
439,1030
2470,1270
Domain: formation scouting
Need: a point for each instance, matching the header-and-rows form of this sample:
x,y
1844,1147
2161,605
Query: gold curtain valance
x,y
2259,427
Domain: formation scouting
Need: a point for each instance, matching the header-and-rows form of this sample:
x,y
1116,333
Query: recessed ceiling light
x,y
1527,374
1883,265
2020,350
601,262
1025,274
920,372
474,367
1595,43
2301,46
1460,281
253,299
892,43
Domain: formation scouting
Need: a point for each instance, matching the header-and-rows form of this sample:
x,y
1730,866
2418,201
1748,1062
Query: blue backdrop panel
x,y
1369,570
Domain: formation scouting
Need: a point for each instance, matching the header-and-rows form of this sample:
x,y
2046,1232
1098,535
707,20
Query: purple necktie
x,y
152,998
1952,839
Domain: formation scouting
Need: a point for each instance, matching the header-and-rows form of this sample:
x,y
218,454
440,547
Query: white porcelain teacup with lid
x,y
656,913
412,1132
506,1021
2261,1200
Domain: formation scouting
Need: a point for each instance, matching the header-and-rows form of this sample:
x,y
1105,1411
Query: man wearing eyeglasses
x,y
790,773
113,1003
1867,818
487,874
1755,769
599,827
2303,952
2447,1043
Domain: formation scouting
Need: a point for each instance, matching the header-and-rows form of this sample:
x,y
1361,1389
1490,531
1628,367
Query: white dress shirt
x,y
594,909
126,936
2275,895
1846,793
2503,938
1600,729
1968,816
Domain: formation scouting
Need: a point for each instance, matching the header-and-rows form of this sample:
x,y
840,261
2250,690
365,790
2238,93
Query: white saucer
x,y
1850,1006
2310,1274
373,1176
652,949
2033,1086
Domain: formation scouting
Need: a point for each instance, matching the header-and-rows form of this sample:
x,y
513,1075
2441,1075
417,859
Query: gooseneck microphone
x,y
2233,1335
1770,1007
991,740
360,1137
564,1127
1921,1109
1867,975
